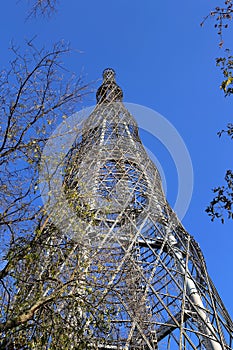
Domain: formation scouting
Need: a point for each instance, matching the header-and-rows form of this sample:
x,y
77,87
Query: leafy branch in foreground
x,y
37,270
223,200
226,66
222,15
35,92
52,302
229,131
222,204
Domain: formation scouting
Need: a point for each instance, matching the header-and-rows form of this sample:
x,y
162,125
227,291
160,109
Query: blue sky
x,y
165,61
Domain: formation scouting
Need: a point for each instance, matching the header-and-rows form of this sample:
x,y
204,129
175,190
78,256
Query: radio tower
x,y
151,275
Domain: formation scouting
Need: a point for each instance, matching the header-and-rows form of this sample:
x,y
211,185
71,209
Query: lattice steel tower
x,y
151,273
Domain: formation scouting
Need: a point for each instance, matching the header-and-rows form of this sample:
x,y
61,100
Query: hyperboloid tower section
x,y
150,273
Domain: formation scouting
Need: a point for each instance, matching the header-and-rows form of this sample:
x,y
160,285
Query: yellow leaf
x,y
228,82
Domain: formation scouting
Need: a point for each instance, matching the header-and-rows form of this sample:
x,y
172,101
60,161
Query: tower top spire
x,y
109,75
109,91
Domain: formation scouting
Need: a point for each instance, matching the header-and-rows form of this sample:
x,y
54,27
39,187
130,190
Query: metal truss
x,y
150,275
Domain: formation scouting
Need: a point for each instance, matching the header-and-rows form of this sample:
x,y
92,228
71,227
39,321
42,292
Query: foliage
x,y
51,301
34,93
222,203
222,15
226,66
46,296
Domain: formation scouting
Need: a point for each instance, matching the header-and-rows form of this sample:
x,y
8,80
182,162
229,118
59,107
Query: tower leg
x,y
194,296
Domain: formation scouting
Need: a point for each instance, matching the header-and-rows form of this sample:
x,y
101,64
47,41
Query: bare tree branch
x,y
44,8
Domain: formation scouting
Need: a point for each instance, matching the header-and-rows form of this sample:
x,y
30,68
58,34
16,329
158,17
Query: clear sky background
x,y
164,60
